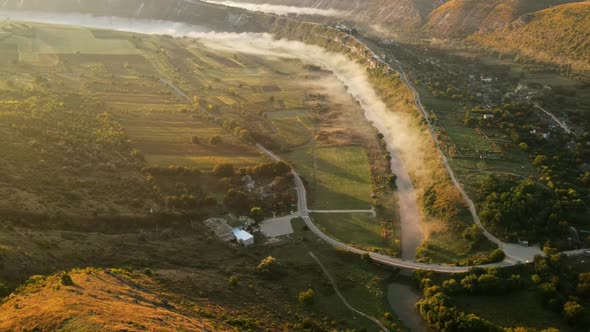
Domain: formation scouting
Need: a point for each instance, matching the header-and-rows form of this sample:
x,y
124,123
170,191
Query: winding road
x,y
515,254
395,262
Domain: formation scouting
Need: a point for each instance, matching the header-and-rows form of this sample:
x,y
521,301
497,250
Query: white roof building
x,y
243,237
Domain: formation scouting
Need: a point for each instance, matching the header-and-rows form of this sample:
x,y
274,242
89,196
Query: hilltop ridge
x,y
535,36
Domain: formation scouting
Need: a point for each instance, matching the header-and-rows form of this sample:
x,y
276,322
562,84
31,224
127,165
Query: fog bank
x,y
277,9
401,137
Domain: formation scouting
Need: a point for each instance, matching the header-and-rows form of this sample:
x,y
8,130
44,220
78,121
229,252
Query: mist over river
x,y
395,127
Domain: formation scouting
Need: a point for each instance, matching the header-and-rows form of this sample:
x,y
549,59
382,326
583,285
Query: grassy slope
x,y
537,37
193,268
97,301
459,18
174,249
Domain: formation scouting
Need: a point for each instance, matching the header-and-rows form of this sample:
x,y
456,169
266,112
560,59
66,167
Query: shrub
x,y
4,290
392,178
195,140
215,140
233,281
573,312
307,297
266,265
257,214
497,255
148,272
225,170
66,280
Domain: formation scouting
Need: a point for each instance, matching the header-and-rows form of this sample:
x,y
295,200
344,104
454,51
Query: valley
x,y
133,141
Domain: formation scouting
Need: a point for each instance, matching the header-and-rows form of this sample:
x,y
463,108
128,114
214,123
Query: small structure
x,y
243,237
488,116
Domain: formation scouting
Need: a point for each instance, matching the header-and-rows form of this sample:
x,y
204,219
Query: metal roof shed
x,y
243,237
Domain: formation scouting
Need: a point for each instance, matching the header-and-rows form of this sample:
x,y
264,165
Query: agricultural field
x,y
147,109
172,96
357,229
338,178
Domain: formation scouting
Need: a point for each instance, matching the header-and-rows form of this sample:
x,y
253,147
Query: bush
x,y
497,255
170,171
4,290
392,178
266,265
215,140
233,281
307,297
225,170
148,272
257,214
573,312
195,140
66,280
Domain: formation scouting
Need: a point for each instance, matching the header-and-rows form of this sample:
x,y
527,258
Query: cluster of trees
x,y
483,282
437,310
223,170
278,168
188,202
562,289
170,171
243,203
526,209
558,199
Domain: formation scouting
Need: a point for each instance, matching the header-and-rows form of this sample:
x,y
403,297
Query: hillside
x,y
96,300
536,37
382,15
460,18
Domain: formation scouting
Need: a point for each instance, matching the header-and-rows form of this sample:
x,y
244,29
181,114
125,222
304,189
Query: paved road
x,y
515,254
381,259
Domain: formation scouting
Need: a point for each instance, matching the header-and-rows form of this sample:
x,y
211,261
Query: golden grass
x,y
98,301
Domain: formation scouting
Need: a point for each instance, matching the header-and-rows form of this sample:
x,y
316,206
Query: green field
x,y
518,309
339,177
355,229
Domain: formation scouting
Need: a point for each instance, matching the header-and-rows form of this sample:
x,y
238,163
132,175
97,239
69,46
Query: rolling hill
x,y
460,18
536,36
96,300
386,14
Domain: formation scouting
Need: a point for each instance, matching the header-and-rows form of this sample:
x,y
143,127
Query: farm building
x,y
243,237
488,116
